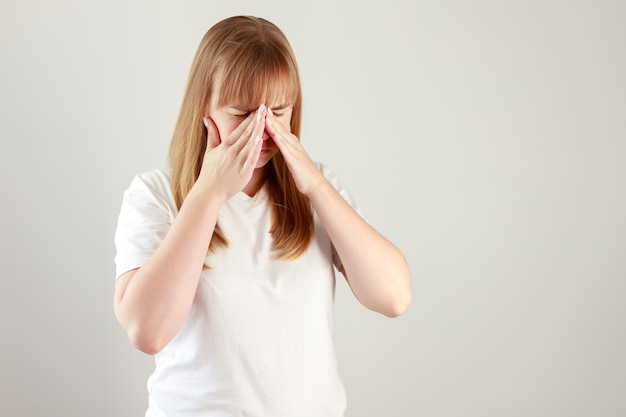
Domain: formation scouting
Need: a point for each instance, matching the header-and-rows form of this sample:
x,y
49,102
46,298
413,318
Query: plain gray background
x,y
485,138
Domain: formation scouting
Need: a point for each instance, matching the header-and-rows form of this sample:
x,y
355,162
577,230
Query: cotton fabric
x,y
258,339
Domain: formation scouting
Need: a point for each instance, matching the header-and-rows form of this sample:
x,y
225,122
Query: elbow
x,y
400,300
148,348
147,338
147,342
143,337
398,306
389,300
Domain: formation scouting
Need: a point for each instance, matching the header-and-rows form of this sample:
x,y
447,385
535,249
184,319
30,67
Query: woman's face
x,y
229,116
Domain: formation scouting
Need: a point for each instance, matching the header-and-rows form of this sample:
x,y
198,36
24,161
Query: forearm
x,y
376,270
153,303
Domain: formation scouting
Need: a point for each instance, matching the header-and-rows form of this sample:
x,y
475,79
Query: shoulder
x,y
330,175
155,178
336,182
327,171
152,185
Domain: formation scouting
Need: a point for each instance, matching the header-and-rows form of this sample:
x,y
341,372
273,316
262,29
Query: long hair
x,y
253,61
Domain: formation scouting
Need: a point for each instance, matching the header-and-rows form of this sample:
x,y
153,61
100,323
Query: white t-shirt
x,y
258,339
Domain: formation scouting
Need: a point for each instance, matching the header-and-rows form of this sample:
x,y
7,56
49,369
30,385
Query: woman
x,y
225,261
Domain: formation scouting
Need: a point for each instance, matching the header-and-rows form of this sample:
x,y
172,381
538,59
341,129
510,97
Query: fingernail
x,y
270,112
259,112
257,140
206,122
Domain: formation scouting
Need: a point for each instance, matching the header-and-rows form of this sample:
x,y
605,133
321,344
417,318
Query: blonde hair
x,y
254,62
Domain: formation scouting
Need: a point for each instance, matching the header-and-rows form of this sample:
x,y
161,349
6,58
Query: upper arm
x,y
120,288
145,217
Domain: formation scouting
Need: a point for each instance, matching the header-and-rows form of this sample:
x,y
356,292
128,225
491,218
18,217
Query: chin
x,y
264,159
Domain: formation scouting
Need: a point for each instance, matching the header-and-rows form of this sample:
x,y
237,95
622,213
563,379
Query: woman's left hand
x,y
304,171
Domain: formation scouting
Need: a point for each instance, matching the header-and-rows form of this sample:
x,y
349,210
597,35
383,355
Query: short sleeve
x,y
147,212
336,183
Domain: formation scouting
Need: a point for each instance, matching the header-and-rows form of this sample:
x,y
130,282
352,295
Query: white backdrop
x,y
485,138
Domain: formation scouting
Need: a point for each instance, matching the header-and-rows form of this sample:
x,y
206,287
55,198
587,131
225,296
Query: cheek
x,y
226,127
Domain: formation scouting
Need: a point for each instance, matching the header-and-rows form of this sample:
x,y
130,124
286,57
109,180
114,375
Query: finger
x,y
240,130
253,156
213,135
283,138
277,129
251,144
245,128
272,129
253,130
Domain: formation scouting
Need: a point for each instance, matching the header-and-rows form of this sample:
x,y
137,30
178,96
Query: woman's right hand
x,y
229,163
152,302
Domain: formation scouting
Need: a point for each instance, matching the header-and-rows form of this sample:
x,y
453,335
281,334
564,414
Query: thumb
x,y
213,135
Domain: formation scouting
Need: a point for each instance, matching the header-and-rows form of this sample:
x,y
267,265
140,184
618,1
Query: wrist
x,y
204,198
321,189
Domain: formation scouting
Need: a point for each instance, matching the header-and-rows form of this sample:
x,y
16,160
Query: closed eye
x,y
244,115
240,113
281,109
